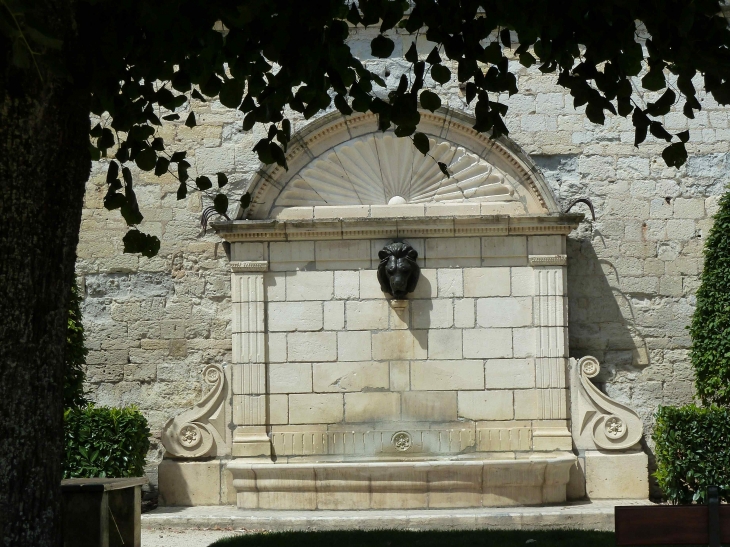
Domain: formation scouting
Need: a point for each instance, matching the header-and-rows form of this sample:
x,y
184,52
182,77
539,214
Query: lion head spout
x,y
398,271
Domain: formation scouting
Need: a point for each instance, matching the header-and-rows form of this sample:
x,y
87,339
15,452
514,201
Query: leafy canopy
x,y
144,64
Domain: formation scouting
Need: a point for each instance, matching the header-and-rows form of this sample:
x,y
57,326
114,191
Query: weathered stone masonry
x,y
154,324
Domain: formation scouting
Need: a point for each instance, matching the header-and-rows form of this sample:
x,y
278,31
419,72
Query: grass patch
x,y
395,538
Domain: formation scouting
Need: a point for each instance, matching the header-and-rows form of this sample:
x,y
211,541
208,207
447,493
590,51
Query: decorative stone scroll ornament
x,y
201,430
611,425
398,271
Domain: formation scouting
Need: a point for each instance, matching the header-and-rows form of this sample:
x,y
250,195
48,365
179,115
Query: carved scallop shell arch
x,y
345,160
380,169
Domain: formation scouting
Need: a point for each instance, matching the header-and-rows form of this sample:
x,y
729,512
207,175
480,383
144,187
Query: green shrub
x,y
75,357
692,452
710,329
105,442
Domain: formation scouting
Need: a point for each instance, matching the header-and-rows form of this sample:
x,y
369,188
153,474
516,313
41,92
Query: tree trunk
x,y
44,163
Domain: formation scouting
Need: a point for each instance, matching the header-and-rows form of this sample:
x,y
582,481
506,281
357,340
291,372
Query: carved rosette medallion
x,y
402,441
190,436
589,367
612,425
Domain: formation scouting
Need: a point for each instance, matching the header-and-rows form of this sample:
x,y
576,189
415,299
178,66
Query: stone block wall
x,y
458,357
153,324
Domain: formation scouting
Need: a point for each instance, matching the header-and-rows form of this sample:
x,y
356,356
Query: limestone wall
x,y
153,324
457,356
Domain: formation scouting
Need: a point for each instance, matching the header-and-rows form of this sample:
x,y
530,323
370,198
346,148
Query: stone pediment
x,y
346,161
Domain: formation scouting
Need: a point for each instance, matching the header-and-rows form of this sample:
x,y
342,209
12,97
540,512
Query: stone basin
x,y
402,484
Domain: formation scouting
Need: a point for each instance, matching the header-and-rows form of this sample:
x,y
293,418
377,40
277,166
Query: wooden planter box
x,y
102,512
674,524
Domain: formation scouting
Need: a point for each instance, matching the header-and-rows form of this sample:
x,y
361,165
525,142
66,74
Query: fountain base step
x,y
401,484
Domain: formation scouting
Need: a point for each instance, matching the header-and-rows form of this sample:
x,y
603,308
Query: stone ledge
x,y
402,484
393,226
581,515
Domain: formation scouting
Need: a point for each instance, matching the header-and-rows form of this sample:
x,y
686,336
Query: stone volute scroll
x,y
609,424
398,271
200,431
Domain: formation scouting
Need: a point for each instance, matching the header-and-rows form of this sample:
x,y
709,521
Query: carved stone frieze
x,y
598,420
548,260
200,431
249,266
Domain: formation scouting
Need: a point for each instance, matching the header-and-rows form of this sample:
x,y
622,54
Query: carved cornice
x,y
394,227
200,431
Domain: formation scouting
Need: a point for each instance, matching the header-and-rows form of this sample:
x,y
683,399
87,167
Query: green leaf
x,y
683,136
342,106
231,93
41,39
505,38
434,58
220,204
663,105
675,155
444,169
182,191
178,157
114,200
190,122
138,242
203,183
245,200
420,141
430,101
654,80
527,59
182,170
594,112
146,159
113,172
382,46
440,74
162,166
412,54
278,154
404,130
353,15
657,129
222,180
492,53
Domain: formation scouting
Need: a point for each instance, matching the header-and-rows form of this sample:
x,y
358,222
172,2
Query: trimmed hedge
x,y
692,452
710,328
105,442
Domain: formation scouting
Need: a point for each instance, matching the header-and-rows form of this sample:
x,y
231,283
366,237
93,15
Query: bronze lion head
x,y
398,271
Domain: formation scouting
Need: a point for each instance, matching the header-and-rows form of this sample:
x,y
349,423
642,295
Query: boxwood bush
x,y
105,442
692,452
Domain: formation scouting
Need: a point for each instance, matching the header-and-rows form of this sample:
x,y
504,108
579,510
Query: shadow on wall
x,y
601,323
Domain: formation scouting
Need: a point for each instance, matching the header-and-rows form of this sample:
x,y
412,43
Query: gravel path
x,y
182,538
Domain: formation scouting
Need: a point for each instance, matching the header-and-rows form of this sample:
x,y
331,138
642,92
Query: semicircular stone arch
x,y
343,161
